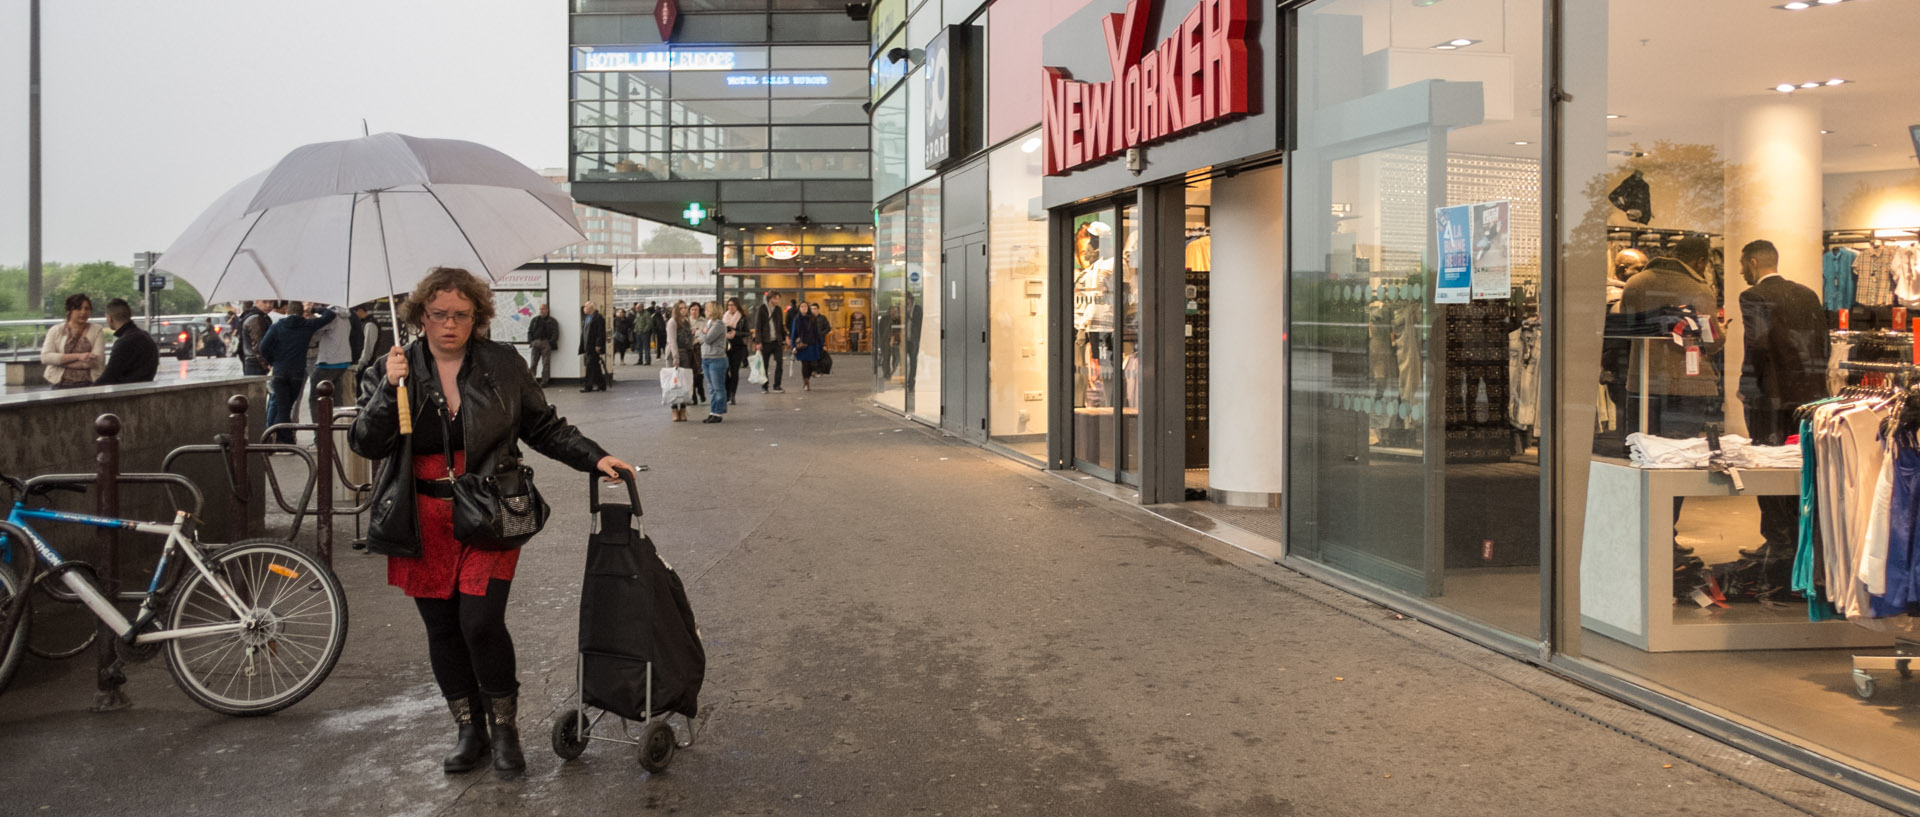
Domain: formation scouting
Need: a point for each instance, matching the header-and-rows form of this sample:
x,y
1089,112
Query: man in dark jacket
x,y
285,350
248,332
593,344
1683,395
134,357
770,332
1786,366
543,334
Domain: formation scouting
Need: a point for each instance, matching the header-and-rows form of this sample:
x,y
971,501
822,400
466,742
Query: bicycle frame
x,y
177,542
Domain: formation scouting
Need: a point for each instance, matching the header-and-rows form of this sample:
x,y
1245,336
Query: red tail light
x,y
183,337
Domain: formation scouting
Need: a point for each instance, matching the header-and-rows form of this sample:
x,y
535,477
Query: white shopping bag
x,y
756,370
676,386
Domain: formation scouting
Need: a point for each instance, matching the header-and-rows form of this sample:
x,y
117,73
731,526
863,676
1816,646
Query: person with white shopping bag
x,y
676,378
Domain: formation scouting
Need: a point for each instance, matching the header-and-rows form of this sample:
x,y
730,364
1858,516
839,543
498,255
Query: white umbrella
x,y
353,221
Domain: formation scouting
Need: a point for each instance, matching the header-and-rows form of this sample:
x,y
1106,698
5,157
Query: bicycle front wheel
x,y
13,634
291,634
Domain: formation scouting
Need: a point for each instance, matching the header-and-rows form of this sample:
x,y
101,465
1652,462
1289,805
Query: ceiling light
x,y
1829,2
1031,145
1615,116
1809,84
1785,88
1445,47
1836,82
1796,6
1458,42
1824,132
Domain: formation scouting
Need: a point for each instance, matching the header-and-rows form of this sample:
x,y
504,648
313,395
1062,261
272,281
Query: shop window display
x,y
1017,316
890,304
1414,362
1752,236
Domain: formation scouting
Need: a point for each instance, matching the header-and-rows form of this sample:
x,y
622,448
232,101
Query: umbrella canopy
x,y
352,221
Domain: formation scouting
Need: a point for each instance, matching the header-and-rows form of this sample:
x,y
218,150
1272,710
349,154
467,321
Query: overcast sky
x,y
150,110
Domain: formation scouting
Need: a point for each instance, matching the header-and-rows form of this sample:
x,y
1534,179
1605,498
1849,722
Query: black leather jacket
x,y
500,405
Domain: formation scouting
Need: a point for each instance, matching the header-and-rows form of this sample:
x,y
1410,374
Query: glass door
x,y
1106,430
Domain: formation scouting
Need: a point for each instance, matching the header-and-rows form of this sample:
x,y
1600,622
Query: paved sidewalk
x,y
898,625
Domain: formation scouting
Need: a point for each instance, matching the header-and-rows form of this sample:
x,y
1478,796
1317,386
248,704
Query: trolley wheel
x,y
569,738
1863,684
656,746
1905,668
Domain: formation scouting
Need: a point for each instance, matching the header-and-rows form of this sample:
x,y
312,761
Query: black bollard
x,y
110,675
323,470
237,466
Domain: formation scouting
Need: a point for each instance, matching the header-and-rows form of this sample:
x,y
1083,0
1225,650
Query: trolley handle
x,y
633,490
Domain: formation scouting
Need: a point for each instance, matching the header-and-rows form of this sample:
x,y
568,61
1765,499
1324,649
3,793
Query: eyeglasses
x,y
455,318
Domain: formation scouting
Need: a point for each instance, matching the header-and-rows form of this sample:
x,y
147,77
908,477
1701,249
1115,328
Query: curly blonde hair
x,y
450,279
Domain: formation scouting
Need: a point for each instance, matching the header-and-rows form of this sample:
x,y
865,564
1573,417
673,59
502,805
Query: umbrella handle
x,y
406,411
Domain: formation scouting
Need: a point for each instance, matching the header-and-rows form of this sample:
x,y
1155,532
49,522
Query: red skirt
x,y
444,564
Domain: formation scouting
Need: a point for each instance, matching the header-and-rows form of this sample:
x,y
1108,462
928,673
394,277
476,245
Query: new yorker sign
x,y
1194,78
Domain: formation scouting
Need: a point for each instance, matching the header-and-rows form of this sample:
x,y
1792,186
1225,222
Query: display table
x,y
1626,568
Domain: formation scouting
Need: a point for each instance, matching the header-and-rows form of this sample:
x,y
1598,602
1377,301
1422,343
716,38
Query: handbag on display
x,y
756,370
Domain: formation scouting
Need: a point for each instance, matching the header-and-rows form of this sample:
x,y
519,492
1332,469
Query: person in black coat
x,y
134,357
1786,367
593,344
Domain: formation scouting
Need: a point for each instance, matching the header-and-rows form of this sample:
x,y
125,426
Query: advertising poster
x,y
514,311
1453,227
1492,251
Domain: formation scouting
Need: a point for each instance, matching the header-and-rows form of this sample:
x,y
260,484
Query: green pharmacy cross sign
x,y
694,214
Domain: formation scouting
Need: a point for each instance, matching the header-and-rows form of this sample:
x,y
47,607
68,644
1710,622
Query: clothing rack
x,y
1837,238
1653,236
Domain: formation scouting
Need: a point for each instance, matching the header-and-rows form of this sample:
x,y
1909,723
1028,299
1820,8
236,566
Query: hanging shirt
x,y
1093,298
1874,285
1837,277
1906,279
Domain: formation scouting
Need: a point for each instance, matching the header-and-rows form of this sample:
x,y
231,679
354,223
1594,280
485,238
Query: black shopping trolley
x,y
640,656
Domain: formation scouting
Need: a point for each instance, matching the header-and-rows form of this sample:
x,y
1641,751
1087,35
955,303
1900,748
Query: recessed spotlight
x,y
1830,2
1616,116
1785,87
1825,132
1458,42
1032,144
1523,142
1445,47
1796,6
1836,82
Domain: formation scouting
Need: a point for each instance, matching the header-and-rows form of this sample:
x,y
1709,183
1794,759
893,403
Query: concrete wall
x,y
47,432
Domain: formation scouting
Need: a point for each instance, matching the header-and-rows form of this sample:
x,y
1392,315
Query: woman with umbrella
x,y
475,400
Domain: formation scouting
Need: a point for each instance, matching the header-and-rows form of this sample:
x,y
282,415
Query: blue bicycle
x,y
248,628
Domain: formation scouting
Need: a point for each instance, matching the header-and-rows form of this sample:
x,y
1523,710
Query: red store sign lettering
x,y
1194,78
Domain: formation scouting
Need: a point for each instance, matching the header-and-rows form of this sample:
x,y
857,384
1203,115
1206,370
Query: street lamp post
x,y
34,295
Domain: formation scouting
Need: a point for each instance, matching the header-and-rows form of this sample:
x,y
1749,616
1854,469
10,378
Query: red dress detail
x,y
442,558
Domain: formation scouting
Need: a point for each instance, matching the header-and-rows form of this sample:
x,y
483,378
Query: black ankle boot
x,y
508,762
470,745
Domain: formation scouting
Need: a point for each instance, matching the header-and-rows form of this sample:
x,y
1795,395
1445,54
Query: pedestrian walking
x,y
333,355
211,342
476,400
622,334
643,333
543,334
825,365
593,345
807,344
75,352
285,350
135,357
770,333
714,360
661,314
681,352
737,346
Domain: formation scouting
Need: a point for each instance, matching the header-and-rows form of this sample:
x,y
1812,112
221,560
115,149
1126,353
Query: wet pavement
x,y
898,625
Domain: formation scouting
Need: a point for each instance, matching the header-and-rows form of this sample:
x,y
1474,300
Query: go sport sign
x,y
952,77
1196,77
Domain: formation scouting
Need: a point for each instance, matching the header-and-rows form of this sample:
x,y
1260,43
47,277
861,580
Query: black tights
x,y
468,643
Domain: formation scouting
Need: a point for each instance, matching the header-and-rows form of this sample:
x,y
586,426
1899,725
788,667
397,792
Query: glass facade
x,y
1017,295
922,304
676,113
890,256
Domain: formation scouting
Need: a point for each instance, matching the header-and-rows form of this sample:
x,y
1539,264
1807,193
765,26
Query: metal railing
x,y
21,339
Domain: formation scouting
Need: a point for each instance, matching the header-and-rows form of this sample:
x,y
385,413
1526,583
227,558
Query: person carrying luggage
x,y
473,401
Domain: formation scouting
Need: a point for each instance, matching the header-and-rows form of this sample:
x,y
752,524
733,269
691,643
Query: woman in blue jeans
x,y
713,359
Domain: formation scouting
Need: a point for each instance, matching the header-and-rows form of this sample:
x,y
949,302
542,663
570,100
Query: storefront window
x,y
890,303
1105,433
1783,195
924,282
1017,319
1415,318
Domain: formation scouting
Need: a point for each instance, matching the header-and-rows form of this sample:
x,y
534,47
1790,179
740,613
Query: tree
x,y
104,281
668,240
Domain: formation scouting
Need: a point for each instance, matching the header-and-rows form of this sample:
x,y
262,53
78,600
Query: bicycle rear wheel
x,y
292,633
13,634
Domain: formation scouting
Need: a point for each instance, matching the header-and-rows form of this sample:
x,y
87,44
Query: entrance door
x,y
953,340
974,290
1105,433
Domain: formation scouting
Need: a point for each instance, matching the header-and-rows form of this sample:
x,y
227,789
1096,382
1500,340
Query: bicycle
x,y
251,629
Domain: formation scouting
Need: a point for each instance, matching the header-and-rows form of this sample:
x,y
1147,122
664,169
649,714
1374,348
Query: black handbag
x,y
497,511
